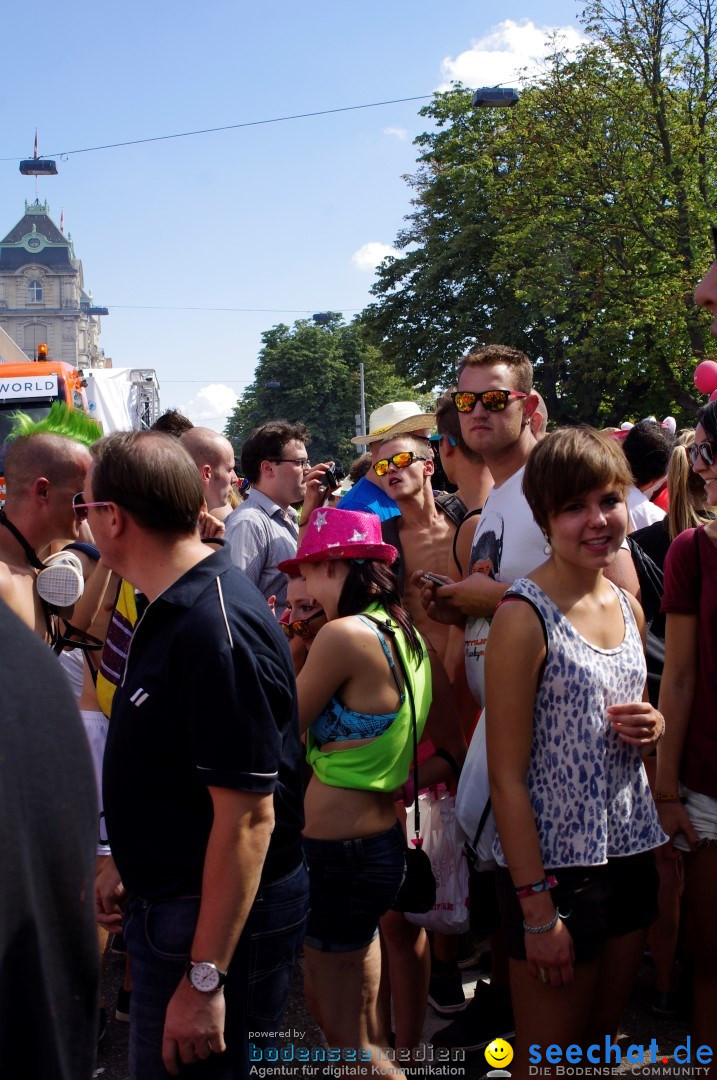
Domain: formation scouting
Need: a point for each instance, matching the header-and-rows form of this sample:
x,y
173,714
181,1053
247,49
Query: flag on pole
x,y
35,142
62,221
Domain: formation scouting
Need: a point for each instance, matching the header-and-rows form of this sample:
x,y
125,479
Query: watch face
x,y
204,977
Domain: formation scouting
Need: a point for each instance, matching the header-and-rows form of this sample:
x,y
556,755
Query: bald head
x,y
214,457
42,474
53,457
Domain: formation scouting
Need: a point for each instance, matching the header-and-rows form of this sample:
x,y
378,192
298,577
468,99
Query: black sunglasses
x,y
705,450
491,400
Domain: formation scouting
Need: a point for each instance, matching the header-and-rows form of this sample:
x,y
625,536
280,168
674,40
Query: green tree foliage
x,y
317,369
573,226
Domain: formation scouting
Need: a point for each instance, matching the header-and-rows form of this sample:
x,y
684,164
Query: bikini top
x,y
381,764
337,722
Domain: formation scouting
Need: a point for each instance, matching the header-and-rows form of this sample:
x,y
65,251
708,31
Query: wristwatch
x,y
205,976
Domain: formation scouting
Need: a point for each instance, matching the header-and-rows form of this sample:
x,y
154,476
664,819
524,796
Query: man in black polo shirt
x,y
202,782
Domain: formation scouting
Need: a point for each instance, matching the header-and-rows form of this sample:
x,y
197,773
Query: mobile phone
x,y
434,578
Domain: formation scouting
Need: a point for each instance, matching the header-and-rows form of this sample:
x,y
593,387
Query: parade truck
x,y
120,398
32,388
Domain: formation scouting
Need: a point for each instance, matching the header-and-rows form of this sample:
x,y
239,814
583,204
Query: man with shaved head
x,y
42,474
214,457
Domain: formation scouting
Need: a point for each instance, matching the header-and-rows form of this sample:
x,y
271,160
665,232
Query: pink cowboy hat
x,y
340,534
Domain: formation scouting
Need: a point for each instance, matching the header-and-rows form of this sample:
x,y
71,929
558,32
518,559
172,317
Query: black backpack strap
x,y
651,580
452,506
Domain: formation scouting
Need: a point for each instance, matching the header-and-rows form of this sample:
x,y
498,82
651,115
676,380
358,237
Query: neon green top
x,y
383,763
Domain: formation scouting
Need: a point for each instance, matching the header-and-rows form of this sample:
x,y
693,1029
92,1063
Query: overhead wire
x,y
227,127
261,311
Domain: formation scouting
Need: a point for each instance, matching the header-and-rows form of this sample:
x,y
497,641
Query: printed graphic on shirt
x,y
486,554
488,546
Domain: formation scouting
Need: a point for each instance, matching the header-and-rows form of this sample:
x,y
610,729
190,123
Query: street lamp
x,y
495,97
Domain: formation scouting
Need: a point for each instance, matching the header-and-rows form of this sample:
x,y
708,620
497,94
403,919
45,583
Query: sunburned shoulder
x,y
346,633
515,616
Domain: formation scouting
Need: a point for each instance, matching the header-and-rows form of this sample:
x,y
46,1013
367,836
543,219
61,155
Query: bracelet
x,y
545,927
667,796
549,882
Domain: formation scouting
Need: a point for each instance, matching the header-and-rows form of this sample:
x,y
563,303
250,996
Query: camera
x,y
332,478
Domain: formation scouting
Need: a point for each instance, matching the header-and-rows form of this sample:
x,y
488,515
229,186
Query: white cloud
x,y
500,56
397,133
211,406
370,255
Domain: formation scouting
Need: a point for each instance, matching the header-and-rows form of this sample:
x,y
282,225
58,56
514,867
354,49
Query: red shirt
x,y
662,499
691,589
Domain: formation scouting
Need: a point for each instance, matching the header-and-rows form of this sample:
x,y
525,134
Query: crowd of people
x,y
267,679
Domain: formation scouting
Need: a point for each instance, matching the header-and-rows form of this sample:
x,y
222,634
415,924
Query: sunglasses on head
x,y
704,450
436,439
401,460
491,400
300,627
81,508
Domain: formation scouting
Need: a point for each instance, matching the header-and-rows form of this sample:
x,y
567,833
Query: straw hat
x,y
396,418
332,533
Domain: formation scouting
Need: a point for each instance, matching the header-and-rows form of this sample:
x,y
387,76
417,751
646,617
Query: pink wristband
x,y
549,882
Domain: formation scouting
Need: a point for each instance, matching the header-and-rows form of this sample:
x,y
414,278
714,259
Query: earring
x,y
547,550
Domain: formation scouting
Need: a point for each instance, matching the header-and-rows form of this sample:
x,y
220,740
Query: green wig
x,y
60,420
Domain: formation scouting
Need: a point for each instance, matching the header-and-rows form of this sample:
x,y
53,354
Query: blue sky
x,y
288,218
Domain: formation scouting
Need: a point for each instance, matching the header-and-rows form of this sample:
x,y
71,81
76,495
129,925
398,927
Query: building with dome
x,y
42,293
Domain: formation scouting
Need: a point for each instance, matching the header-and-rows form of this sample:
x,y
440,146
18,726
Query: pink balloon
x,y
713,395
706,376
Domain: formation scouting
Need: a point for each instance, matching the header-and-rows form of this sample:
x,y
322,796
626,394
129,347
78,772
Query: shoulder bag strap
x,y
387,628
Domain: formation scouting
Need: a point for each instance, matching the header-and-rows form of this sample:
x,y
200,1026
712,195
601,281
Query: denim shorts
x,y
600,902
352,884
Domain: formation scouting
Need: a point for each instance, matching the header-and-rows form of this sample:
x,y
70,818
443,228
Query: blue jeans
x,y
159,936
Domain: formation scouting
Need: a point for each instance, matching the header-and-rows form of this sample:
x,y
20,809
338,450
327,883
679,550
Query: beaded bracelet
x,y
549,882
667,796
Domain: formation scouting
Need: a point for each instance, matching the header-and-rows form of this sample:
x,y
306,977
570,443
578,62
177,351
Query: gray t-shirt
x,y
261,534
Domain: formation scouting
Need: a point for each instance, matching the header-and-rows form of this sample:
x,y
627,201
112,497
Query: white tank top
x,y
588,788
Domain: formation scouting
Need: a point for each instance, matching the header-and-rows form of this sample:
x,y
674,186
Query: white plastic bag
x,y
473,797
443,843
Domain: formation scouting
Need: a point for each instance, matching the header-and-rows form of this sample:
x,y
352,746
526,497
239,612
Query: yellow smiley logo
x,y
499,1053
